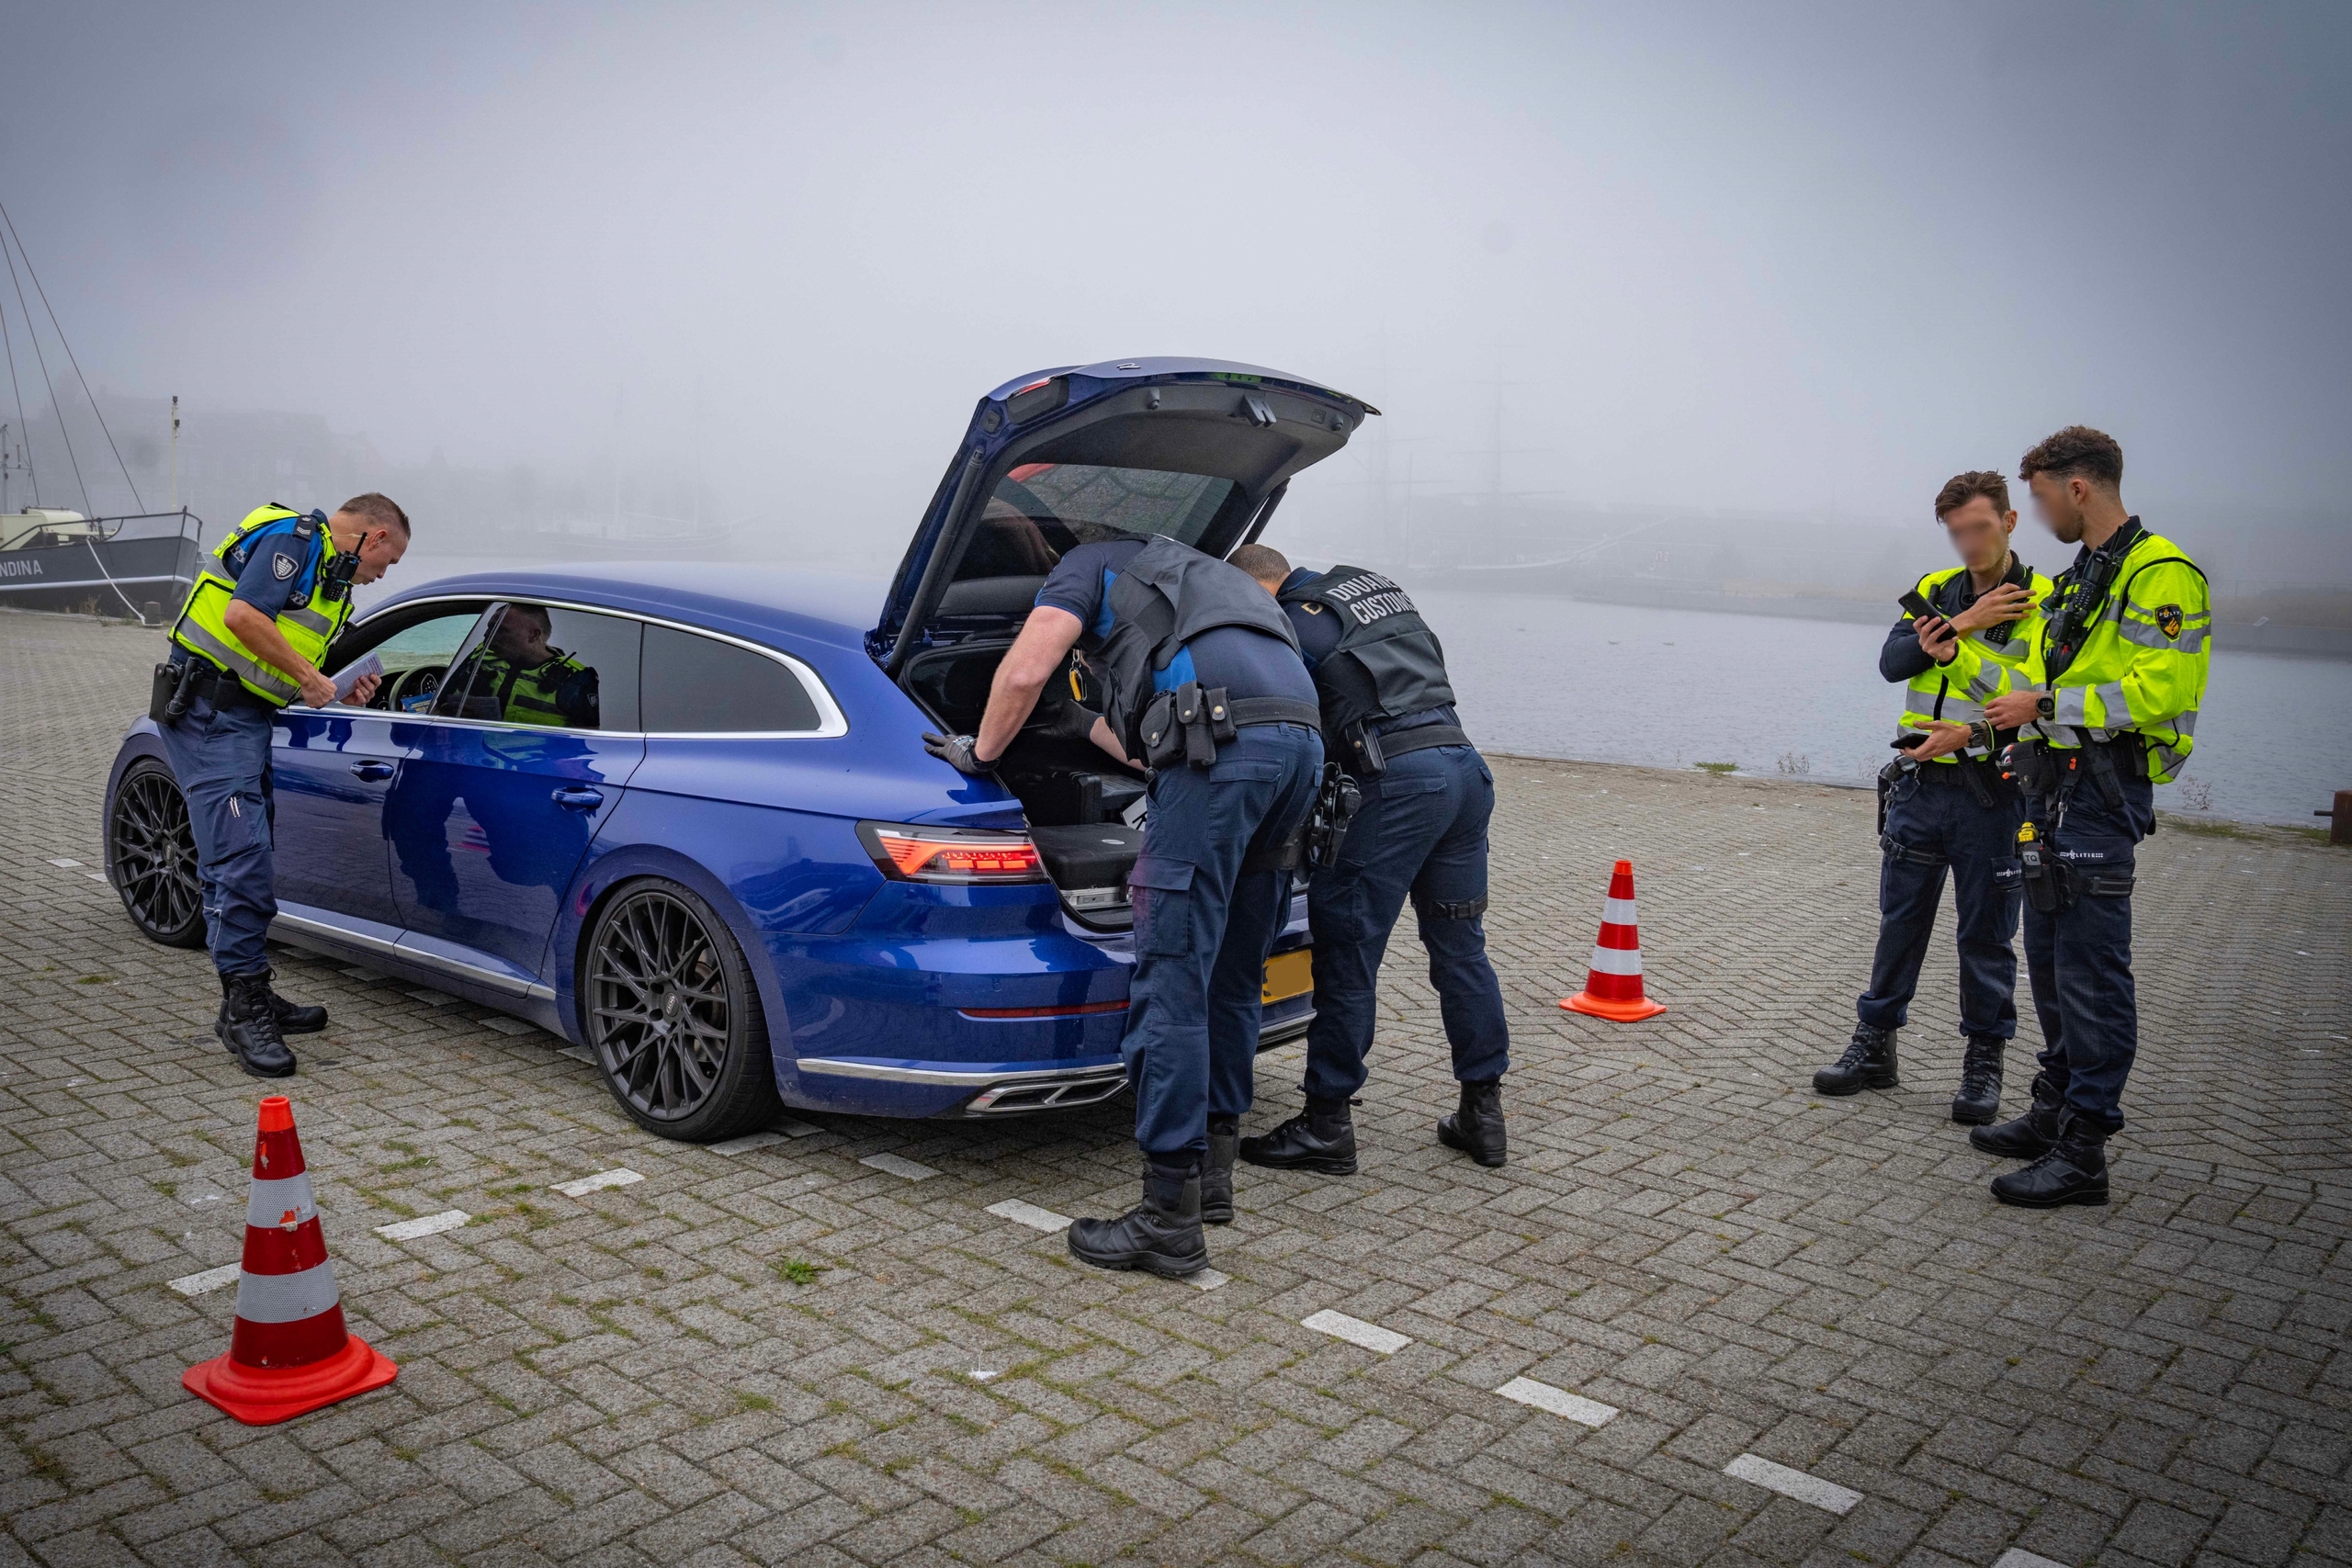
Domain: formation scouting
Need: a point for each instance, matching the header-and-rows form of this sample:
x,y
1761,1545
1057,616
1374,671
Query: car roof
x,y
824,607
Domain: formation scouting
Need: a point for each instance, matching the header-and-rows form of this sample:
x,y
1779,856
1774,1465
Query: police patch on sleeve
x,y
283,566
2168,621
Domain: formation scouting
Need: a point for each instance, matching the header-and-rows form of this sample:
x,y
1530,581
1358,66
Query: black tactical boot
x,y
1159,1236
1322,1138
1216,1172
249,1029
1979,1099
291,1019
1477,1126
2030,1135
2074,1171
1869,1063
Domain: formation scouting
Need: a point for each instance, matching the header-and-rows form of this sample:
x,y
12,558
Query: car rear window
x,y
1070,503
699,686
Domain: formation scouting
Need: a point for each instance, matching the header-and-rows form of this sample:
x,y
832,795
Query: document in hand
x,y
371,665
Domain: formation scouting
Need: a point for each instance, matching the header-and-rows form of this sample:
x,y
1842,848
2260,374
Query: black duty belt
x,y
1396,743
1274,710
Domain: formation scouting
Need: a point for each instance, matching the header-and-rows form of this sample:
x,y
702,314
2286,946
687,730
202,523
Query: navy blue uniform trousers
x,y
221,758
1203,928
2080,959
1939,825
1420,832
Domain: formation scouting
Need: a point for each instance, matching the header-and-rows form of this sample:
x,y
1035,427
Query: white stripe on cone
x,y
1621,912
286,1298
1616,960
282,1205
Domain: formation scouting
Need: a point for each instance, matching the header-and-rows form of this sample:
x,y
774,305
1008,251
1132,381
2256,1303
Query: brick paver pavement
x,y
787,1355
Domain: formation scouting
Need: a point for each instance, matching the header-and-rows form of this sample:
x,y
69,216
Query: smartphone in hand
x,y
1915,604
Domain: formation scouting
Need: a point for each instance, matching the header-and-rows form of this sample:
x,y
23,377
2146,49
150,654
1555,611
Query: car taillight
x,y
910,853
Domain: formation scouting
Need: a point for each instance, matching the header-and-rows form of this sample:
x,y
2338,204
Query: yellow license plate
x,y
1288,974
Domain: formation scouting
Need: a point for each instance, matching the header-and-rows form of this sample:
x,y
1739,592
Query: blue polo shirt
x,y
1246,663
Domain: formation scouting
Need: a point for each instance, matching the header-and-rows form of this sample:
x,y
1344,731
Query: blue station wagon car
x,y
706,843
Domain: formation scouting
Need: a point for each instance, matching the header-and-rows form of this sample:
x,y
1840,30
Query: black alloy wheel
x,y
673,1016
152,851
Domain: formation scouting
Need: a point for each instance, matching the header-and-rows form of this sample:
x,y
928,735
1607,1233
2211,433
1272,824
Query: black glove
x,y
955,751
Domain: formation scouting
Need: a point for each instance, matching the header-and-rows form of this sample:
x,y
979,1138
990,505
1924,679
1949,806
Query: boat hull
x,y
74,575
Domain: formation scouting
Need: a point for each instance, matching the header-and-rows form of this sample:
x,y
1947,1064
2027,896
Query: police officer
x,y
257,620
519,677
1202,681
1420,831
1955,809
2117,673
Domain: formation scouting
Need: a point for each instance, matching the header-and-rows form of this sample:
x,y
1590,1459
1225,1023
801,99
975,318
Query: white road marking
x,y
743,1145
1207,1280
897,1165
1757,1471
505,1025
582,1185
68,864
431,1225
96,875
1356,1331
1559,1402
2018,1557
1029,1214
211,1280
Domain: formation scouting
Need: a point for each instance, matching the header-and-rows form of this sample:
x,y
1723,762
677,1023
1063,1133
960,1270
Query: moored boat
x,y
138,566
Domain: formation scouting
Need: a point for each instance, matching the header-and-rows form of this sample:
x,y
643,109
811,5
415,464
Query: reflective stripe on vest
x,y
203,626
2156,624
1931,695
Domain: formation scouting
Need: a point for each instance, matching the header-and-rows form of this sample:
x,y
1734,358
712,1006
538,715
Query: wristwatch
x,y
2046,707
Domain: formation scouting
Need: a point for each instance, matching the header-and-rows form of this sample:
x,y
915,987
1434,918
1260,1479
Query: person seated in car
x,y
519,677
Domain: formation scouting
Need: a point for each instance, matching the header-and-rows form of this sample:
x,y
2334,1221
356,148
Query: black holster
x,y
2030,763
1327,824
176,688
2102,761
1365,757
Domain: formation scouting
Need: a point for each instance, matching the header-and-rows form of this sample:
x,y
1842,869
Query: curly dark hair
x,y
2078,449
1962,489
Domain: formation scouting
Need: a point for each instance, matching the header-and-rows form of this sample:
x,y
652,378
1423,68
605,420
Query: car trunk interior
x,y
1074,794
1201,460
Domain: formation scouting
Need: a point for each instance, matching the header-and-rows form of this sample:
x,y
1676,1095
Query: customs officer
x,y
1419,832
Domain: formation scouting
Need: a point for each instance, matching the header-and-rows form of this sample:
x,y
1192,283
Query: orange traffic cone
x,y
1613,986
290,1353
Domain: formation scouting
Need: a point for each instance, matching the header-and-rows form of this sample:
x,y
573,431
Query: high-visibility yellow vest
x,y
2144,661
308,627
1987,662
504,690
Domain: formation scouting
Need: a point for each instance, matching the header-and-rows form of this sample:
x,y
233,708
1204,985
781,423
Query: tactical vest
x,y
505,691
1168,595
2142,655
1987,662
1388,663
203,626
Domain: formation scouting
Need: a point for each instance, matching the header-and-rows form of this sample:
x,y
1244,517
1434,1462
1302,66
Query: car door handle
x,y
374,772
578,797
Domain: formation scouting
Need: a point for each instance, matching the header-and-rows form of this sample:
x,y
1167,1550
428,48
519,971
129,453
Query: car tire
x,y
671,1015
151,856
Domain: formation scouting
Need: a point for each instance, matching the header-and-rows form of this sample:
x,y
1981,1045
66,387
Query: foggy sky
x,y
1808,257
